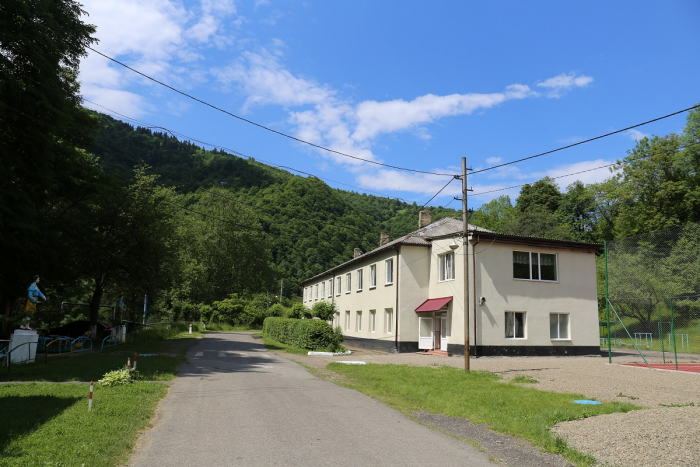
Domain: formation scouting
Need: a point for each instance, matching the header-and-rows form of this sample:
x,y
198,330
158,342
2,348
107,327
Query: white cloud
x,y
636,135
494,160
152,36
557,85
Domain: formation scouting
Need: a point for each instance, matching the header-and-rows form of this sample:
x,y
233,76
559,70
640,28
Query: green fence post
x,y
673,334
607,307
661,339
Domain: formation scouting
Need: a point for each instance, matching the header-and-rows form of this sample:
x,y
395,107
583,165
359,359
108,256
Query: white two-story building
x,y
527,296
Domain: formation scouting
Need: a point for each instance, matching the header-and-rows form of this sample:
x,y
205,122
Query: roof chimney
x,y
424,218
356,253
383,238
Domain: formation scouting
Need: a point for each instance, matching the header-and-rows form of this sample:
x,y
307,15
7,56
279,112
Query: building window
x,y
304,293
330,288
323,289
359,321
559,326
359,280
534,266
389,315
316,292
347,320
348,283
515,325
338,283
372,276
372,320
389,267
336,319
447,266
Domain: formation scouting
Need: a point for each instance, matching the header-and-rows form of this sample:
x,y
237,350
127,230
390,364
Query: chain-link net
x,y
653,298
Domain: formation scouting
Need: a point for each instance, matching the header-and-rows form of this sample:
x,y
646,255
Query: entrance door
x,y
443,333
425,333
438,333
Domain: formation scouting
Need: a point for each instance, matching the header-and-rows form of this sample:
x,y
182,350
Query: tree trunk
x,y
95,306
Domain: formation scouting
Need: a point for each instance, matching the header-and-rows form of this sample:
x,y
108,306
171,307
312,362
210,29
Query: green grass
x,y
170,345
229,328
272,344
523,412
524,379
49,424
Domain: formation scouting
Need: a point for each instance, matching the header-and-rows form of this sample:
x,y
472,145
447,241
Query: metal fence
x,y
652,284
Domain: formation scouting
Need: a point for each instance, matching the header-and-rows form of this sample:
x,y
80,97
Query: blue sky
x,y
406,83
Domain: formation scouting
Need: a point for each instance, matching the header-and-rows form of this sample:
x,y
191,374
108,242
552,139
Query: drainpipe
x,y
396,309
474,276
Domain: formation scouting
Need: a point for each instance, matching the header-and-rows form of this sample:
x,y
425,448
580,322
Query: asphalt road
x,y
236,404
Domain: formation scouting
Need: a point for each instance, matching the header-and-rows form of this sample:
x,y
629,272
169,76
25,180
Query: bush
x,y
324,310
299,311
310,334
119,377
277,310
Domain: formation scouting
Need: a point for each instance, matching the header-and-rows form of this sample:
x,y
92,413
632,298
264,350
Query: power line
x,y
586,141
234,152
426,203
263,126
583,171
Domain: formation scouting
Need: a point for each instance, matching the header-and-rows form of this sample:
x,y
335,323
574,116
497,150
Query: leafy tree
x,y
41,43
578,208
544,193
324,310
494,215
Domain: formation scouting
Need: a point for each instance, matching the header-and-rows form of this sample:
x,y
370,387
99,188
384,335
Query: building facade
x,y
527,296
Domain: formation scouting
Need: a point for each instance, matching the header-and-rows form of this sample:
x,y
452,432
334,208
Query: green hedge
x,y
311,334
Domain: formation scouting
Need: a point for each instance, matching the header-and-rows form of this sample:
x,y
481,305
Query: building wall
x,y
378,299
573,293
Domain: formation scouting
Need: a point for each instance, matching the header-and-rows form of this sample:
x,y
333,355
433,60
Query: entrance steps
x,y
437,353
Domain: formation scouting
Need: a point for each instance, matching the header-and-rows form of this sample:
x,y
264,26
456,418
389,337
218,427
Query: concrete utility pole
x,y
465,244
281,289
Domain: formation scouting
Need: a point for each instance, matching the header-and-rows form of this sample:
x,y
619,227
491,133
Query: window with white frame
x,y
330,288
515,325
559,326
348,283
338,284
389,320
534,266
359,321
347,320
305,289
389,269
323,289
359,280
372,276
446,263
316,292
336,319
372,320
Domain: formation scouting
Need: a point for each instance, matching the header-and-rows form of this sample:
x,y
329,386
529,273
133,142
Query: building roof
x,y
452,226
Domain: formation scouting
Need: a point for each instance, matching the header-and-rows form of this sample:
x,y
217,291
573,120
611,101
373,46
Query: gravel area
x,y
660,435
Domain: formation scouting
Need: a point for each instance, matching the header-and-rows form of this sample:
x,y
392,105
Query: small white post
x,y
135,355
90,400
128,364
190,328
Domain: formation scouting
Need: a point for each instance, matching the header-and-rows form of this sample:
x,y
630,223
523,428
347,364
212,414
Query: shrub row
x,y
310,334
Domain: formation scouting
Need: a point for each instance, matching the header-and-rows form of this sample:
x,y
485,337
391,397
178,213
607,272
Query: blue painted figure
x,y
33,296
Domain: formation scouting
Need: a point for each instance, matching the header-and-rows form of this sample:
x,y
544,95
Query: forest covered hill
x,y
309,225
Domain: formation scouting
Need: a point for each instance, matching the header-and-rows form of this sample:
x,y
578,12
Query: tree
x,y
543,193
41,44
495,214
577,208
123,235
324,310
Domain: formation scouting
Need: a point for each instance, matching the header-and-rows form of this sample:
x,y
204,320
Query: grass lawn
x,y
272,344
49,424
171,351
509,408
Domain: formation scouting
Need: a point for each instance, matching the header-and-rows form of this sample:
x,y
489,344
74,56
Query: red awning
x,y
433,304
